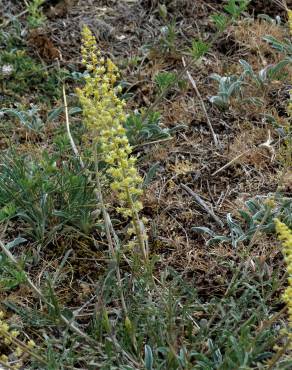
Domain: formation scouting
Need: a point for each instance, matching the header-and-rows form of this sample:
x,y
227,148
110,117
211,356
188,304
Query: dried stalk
x,y
72,143
202,204
230,162
192,81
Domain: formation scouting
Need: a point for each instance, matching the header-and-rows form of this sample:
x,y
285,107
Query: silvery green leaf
x,y
267,18
74,110
218,239
247,67
15,242
252,205
275,71
233,225
218,101
148,357
254,100
247,217
203,229
216,77
263,73
234,88
54,114
280,46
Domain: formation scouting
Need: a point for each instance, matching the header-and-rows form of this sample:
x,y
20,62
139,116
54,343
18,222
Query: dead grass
x,y
249,34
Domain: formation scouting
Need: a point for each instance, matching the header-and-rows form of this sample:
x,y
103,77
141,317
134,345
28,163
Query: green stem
x,y
137,225
107,223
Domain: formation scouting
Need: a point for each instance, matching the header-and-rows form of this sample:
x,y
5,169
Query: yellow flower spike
x,y
285,235
289,12
104,117
17,366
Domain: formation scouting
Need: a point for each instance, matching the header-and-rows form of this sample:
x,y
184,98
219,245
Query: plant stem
x,y
193,83
107,224
138,227
72,143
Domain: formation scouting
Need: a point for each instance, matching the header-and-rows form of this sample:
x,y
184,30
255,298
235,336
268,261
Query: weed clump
x,y
35,15
22,74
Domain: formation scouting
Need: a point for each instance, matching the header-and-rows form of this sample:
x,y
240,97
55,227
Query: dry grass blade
x,y
203,204
192,81
233,160
73,145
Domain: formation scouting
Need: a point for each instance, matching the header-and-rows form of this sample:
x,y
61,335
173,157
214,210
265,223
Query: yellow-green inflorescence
x,y
8,339
285,235
289,12
104,117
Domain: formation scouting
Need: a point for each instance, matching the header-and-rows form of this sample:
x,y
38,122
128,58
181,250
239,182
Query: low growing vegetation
x,y
145,185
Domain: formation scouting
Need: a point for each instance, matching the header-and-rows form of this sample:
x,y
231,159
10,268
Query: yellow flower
x,y
285,235
4,327
14,333
18,352
30,344
17,365
4,359
270,202
289,12
104,117
7,341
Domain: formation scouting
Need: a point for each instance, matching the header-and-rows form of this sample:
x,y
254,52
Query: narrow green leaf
x,y
148,358
15,242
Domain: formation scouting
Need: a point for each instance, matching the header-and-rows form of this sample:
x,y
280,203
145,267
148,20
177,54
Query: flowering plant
x,y
104,117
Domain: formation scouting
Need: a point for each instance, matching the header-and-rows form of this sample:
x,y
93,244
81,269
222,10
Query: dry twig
x,y
72,143
230,162
202,204
192,81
